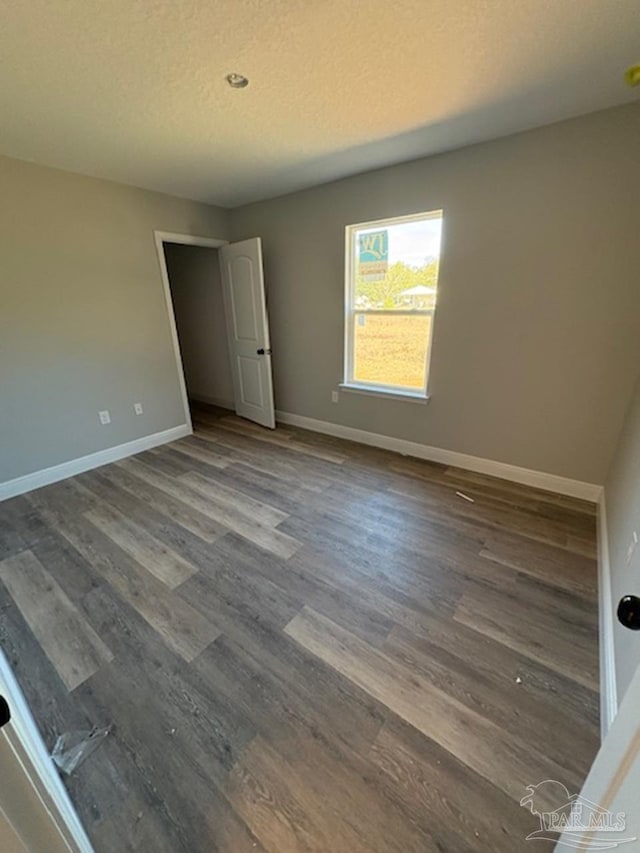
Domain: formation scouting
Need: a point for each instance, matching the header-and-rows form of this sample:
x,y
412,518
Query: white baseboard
x,y
539,479
213,401
608,688
29,482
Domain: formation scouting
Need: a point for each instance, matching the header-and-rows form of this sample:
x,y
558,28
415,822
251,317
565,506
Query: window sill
x,y
405,396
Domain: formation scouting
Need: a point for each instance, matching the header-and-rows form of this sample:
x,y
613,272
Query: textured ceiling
x,y
134,90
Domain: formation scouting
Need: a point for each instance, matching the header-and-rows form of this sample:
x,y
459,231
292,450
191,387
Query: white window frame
x,y
378,388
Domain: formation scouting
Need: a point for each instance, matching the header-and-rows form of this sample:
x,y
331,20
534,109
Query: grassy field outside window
x,y
391,347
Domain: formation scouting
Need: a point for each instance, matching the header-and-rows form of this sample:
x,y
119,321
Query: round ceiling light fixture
x,y
236,81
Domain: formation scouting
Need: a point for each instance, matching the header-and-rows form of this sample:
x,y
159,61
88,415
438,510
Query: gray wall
x,y
535,345
83,322
196,289
622,495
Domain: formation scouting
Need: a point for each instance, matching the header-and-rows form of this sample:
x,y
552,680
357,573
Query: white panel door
x,y
34,804
248,330
605,815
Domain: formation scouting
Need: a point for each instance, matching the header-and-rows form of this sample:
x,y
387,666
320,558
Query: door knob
x,y
262,351
629,612
5,713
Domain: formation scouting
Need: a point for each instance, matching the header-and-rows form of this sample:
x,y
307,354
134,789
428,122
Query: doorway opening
x,y
196,293
217,311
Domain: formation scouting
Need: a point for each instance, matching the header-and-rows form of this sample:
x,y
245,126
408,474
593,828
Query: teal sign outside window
x,y
373,255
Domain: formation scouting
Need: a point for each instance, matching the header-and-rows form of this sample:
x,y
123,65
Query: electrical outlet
x,y
137,408
334,397
105,417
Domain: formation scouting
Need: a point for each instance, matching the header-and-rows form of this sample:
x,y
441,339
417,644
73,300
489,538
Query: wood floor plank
x,y
280,436
269,458
416,538
182,628
11,542
584,544
187,516
276,437
562,702
489,512
480,744
422,574
267,537
227,498
431,781
55,709
194,811
67,638
22,526
282,689
517,492
289,808
180,540
556,566
234,599
346,803
372,592
560,640
201,453
164,563
351,804
195,719
294,583
282,817
499,697
122,805
264,487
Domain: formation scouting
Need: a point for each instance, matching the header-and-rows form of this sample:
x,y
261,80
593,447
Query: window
x,y
391,282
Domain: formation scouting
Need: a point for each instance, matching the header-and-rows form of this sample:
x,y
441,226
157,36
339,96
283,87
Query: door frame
x,y
162,237
27,744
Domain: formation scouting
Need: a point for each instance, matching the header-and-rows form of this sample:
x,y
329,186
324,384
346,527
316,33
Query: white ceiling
x,y
134,90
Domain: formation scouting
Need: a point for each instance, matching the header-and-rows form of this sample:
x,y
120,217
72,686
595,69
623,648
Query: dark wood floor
x,y
304,644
